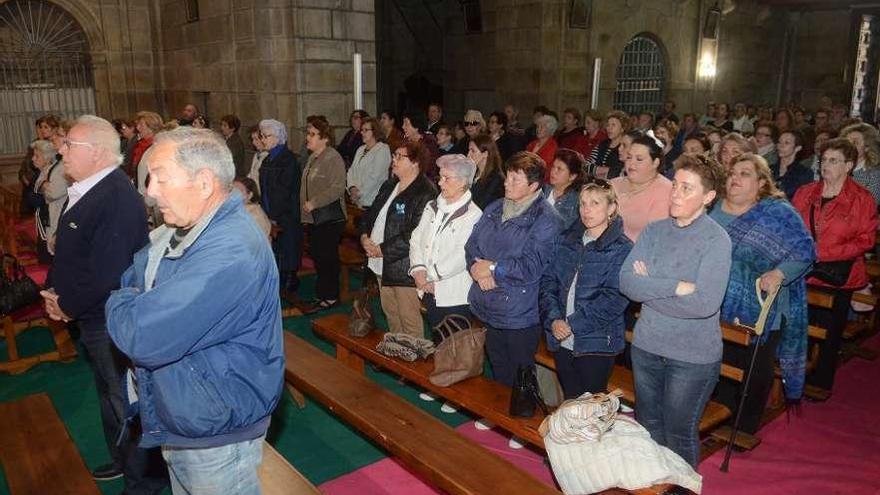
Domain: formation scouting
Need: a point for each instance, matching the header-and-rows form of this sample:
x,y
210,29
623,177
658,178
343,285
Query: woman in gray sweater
x,y
678,270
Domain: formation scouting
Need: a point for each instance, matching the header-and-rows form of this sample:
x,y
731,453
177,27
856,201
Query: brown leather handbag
x,y
460,353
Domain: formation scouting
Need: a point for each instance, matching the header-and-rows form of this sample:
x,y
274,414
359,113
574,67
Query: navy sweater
x,y
96,240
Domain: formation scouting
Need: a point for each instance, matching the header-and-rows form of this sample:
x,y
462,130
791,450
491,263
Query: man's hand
x,y
561,330
50,302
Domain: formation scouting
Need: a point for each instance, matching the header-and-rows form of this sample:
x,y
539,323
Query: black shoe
x,y
107,472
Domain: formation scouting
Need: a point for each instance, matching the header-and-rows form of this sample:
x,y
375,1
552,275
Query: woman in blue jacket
x,y
582,308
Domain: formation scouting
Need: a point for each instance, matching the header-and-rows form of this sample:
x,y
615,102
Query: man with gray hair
x,y
101,226
199,316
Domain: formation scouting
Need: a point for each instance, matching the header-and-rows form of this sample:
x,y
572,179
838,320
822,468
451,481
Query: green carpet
x,y
312,439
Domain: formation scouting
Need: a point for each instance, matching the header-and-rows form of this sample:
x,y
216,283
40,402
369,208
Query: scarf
x,y
770,233
512,209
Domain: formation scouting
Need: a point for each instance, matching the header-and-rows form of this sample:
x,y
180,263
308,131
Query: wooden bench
x,y
278,477
37,453
442,456
17,323
478,395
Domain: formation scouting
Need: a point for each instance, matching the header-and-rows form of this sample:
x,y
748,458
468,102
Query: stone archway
x,y
46,65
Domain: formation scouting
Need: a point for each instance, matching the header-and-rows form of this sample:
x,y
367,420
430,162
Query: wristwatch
x,y
492,267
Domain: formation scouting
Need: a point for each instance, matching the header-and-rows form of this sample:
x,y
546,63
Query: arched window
x,y
45,67
641,77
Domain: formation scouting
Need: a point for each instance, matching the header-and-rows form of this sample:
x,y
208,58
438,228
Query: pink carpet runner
x,y
832,448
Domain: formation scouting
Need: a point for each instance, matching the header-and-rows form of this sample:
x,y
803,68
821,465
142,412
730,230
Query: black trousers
x,y
510,349
435,314
145,471
728,392
324,248
579,374
834,321
288,254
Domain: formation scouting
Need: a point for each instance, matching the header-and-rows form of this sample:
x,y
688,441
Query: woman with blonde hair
x,y
582,309
147,125
866,139
474,125
770,242
733,144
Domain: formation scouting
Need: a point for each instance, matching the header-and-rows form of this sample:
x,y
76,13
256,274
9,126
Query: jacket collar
x,y
161,236
612,233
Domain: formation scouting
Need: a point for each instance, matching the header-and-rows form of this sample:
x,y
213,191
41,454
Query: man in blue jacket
x,y
199,316
102,225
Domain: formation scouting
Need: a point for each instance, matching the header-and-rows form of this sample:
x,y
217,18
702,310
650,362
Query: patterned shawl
x,y
770,233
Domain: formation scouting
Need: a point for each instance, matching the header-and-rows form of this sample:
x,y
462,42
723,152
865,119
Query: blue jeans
x,y
227,469
670,397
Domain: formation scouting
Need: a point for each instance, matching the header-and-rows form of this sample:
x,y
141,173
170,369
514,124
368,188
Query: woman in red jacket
x,y
545,145
842,217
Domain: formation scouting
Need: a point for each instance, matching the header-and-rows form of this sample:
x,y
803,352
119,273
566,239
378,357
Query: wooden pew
x,y
278,477
442,456
478,395
37,453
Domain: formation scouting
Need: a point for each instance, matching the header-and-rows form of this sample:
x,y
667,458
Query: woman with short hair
x,y
507,253
507,143
566,178
412,131
279,180
604,161
594,131
722,118
322,205
392,134
582,309
545,144
790,174
643,193
352,140
147,124
386,229
766,135
369,168
842,217
445,139
229,126
866,139
473,125
771,243
733,145
678,271
52,186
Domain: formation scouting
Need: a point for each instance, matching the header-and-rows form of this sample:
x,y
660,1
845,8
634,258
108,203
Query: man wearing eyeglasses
x,y
101,227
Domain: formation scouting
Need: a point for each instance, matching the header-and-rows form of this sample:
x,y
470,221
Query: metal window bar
x,y
641,77
44,68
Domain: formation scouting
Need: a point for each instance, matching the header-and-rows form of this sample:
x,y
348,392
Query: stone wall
x,y
278,59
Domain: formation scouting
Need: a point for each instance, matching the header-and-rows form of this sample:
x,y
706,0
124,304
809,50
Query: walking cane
x,y
757,330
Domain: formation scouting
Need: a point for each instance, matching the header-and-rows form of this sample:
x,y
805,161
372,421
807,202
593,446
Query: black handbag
x,y
834,273
525,394
329,213
17,290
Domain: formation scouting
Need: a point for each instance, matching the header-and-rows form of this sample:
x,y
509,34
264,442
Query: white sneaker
x,y
483,424
625,408
427,397
448,408
515,443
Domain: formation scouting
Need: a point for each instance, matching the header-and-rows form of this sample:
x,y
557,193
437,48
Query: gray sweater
x,y
684,328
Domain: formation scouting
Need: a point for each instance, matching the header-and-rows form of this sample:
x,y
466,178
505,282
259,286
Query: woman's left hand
x,y
640,268
772,279
308,206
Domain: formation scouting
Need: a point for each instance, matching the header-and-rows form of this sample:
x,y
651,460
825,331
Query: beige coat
x,y
323,181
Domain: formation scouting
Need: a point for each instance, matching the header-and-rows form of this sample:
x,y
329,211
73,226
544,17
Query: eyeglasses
x,y
444,178
398,156
472,124
67,143
834,161
366,129
265,136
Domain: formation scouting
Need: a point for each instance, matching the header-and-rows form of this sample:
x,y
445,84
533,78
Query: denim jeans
x,y
670,398
227,469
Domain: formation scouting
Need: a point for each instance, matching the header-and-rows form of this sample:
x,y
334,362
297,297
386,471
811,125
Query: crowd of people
x,y
553,231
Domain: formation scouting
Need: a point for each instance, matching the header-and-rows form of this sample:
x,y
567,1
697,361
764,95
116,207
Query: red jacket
x,y
547,152
137,152
574,140
844,229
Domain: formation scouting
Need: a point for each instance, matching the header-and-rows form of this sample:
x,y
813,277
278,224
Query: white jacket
x,y
368,171
437,247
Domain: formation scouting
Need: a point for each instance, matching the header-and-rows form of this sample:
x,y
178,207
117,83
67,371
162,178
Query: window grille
x,y
641,77
44,68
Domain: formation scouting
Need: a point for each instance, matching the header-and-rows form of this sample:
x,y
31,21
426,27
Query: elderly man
x,y
199,316
101,227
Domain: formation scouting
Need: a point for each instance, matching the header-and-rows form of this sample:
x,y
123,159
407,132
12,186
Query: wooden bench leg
x,y
11,345
63,342
297,396
349,359
344,287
